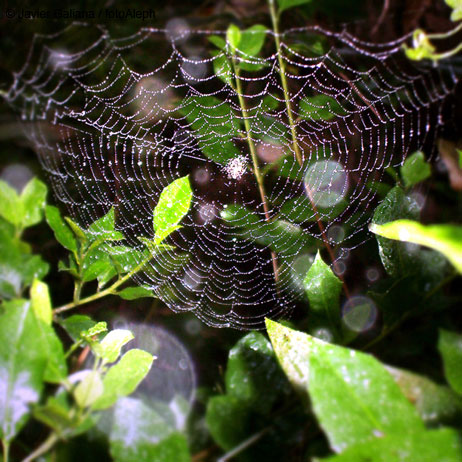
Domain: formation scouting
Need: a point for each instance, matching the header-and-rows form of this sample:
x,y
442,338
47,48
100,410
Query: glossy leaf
x,y
112,344
252,40
353,396
103,229
233,36
323,289
450,348
442,445
446,239
124,377
222,69
22,365
415,169
397,258
173,205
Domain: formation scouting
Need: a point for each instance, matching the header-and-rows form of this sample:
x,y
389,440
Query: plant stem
x,y
6,450
256,168
244,445
43,448
110,290
295,145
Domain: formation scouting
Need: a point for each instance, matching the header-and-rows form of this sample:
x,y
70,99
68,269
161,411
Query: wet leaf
x,y
173,205
320,107
132,293
353,396
446,239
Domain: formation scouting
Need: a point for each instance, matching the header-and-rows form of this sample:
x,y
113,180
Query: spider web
x,y
115,120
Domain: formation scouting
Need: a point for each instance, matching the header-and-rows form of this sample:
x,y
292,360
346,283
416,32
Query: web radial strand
x,y
114,121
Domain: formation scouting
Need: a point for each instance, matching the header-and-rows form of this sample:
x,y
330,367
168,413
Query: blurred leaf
x,y
320,107
450,348
252,40
397,258
22,365
446,239
132,293
286,4
435,403
227,421
55,414
353,395
124,377
222,69
218,41
33,199
76,324
251,367
112,344
140,434
173,205
63,233
300,210
442,445
10,207
89,389
233,35
415,169
323,289
41,302
279,235
456,6
215,126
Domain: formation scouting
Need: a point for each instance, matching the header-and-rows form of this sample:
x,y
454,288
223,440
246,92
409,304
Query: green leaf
x,y
103,229
89,389
450,348
446,239
174,203
113,342
300,210
41,302
323,289
320,107
227,420
124,377
456,6
281,236
218,41
233,36
252,40
132,293
63,233
55,414
76,324
442,445
251,367
10,205
215,126
353,395
222,69
435,403
22,365
33,199
140,434
396,257
286,4
79,233
415,169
